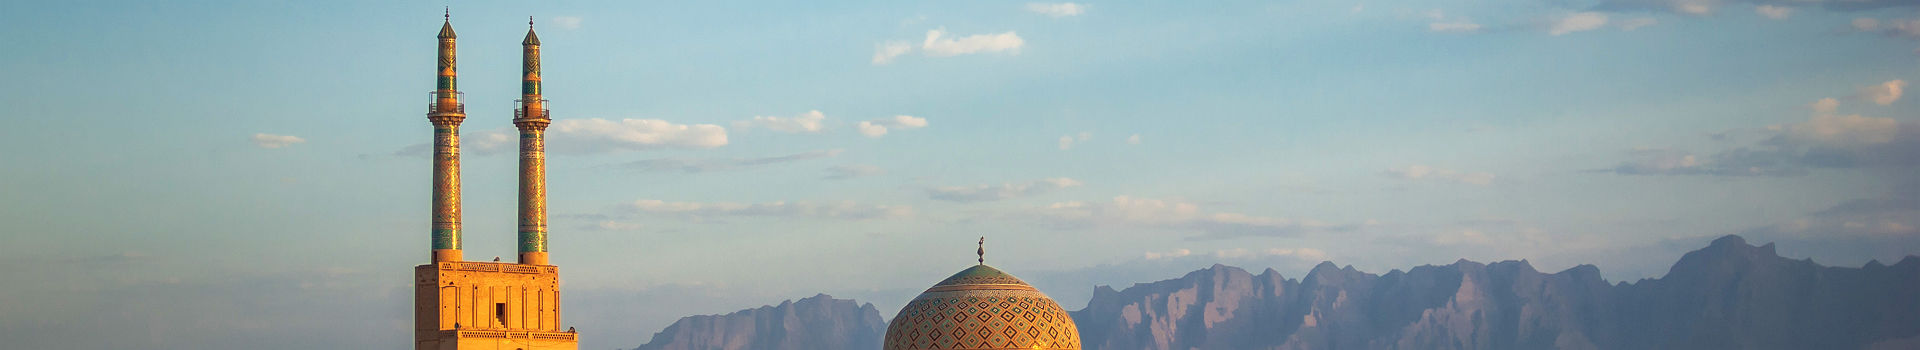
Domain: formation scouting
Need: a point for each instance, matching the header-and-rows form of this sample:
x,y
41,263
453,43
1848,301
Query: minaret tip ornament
x,y
447,13
529,22
982,251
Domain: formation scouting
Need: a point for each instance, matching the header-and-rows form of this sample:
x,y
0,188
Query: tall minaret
x,y
532,121
446,112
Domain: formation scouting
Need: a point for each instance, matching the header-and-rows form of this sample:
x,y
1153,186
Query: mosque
x,y
460,305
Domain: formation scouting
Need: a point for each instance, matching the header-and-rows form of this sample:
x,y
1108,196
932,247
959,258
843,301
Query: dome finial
x,y
447,13
982,251
529,22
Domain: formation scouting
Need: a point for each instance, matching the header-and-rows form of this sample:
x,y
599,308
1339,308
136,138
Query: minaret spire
x,y
446,110
983,251
531,118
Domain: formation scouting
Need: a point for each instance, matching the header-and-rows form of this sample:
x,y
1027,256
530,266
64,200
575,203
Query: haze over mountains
x,y
1728,295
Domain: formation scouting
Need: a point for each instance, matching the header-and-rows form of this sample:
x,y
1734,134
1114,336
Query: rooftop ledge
x,y
500,267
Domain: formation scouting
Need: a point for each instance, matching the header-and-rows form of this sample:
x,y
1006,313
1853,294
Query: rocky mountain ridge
x,y
1729,295
817,322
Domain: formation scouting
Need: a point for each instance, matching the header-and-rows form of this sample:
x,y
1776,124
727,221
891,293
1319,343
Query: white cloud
x,y
831,210
1065,9
1133,140
880,127
1845,130
1693,7
870,129
1636,23
1884,93
567,22
905,122
885,52
1172,214
1422,172
265,140
1825,106
809,122
938,45
1774,12
1067,141
1829,128
492,141
1456,26
843,172
1440,23
601,135
1577,22
986,193
1176,253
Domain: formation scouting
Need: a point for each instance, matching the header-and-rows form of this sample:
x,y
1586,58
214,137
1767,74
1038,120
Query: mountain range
x,y
1728,295
818,322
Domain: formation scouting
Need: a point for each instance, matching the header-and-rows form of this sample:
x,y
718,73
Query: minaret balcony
x,y
446,102
530,110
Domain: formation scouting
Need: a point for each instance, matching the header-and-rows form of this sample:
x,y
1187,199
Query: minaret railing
x,y
520,109
434,101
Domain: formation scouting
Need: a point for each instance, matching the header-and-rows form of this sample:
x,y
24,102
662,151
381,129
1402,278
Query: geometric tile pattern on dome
x,y
982,319
982,308
980,274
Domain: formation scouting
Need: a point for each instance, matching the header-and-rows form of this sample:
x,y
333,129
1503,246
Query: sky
x,y
240,174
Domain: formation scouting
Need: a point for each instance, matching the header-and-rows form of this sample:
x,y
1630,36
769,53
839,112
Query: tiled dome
x,y
982,308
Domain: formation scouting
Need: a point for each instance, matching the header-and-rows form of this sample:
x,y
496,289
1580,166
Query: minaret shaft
x,y
446,111
532,120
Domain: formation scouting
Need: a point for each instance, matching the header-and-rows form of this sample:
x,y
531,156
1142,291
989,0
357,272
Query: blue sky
x,y
195,174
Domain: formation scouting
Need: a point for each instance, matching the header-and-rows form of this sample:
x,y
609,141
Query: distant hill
x,y
817,322
1729,295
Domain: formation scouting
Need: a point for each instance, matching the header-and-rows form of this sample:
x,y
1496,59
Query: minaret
x,y
532,120
446,111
